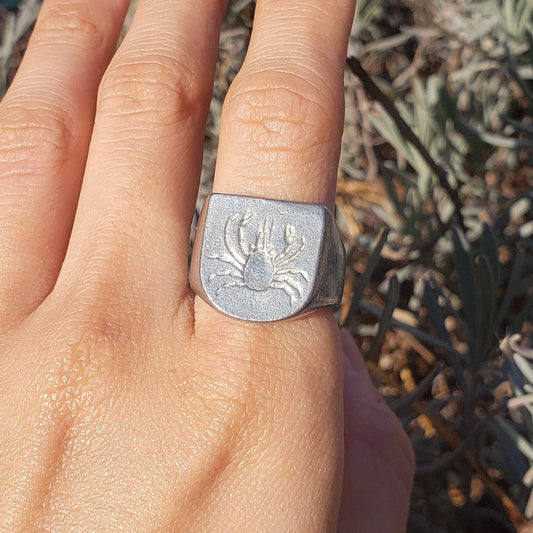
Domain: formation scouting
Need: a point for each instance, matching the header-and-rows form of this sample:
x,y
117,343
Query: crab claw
x,y
247,217
289,234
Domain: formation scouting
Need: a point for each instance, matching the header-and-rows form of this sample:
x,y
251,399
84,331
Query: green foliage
x,y
16,25
460,75
9,4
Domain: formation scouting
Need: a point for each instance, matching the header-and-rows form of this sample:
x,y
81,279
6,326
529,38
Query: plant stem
x,y
358,70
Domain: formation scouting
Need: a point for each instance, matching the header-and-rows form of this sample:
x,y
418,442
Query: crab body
x,y
256,265
259,270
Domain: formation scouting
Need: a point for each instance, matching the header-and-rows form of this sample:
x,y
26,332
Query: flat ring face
x,y
258,259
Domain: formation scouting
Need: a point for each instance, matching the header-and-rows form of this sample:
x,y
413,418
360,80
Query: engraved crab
x,y
255,263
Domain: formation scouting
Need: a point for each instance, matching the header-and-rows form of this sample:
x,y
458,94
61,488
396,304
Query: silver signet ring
x,y
264,260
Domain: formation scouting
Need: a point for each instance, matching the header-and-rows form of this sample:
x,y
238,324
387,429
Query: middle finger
x,y
132,225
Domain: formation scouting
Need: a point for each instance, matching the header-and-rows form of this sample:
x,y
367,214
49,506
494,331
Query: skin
x,y
128,404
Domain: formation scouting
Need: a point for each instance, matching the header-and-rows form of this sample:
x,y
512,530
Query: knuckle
x,y
221,389
99,306
286,122
72,378
90,350
158,86
70,21
293,112
37,139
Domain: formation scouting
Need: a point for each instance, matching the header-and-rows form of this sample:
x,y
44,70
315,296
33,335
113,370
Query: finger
x,y
379,462
280,138
282,119
133,220
46,119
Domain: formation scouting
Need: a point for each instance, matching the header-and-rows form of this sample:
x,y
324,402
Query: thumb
x,y
379,460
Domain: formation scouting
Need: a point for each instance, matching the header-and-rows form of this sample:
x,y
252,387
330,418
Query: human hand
x,y
126,402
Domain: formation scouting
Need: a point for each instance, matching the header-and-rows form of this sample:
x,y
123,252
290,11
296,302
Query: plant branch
x,y
358,70
454,441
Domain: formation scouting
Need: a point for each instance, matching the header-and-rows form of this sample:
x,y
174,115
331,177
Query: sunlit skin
x,y
127,403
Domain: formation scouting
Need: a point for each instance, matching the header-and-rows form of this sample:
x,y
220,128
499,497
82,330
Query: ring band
x,y
265,260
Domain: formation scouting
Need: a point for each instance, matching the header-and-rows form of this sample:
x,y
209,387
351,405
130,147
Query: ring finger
x,y
282,119
133,220
280,138
283,116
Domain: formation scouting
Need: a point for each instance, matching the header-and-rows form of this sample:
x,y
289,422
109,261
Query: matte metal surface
x,y
265,260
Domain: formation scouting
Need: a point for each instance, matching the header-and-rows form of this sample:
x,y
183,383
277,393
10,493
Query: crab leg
x,y
289,240
290,291
230,284
268,227
285,252
292,283
294,271
245,249
227,259
231,273
229,245
289,258
260,243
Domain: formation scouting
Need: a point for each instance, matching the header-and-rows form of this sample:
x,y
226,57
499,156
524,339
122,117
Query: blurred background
x,y
435,203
